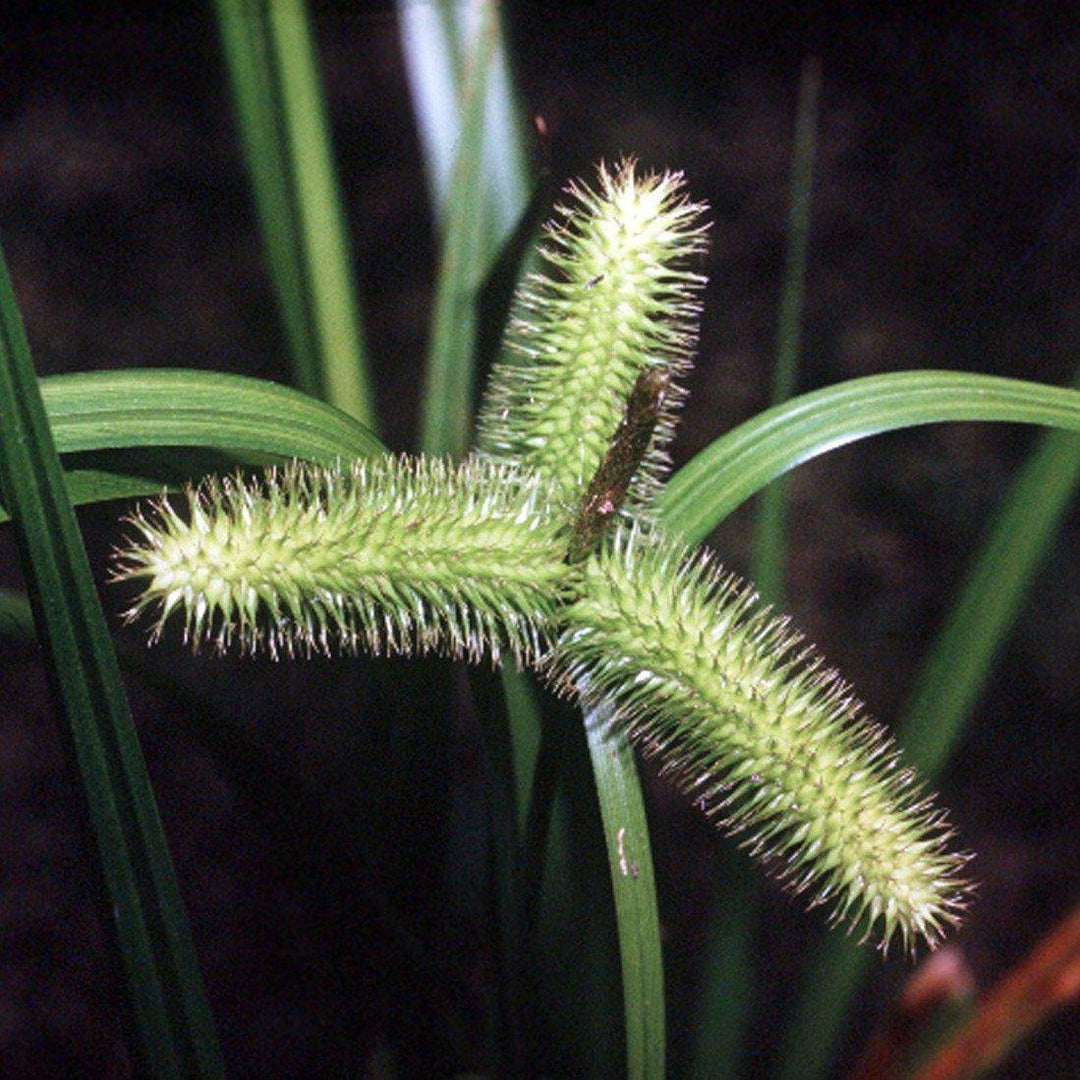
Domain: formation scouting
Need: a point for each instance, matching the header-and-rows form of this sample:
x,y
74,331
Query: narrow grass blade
x,y
494,721
809,1040
622,808
446,418
945,693
283,122
726,473
770,540
508,268
171,1029
577,976
727,983
132,478
430,49
246,418
992,594
543,752
523,713
506,173
100,409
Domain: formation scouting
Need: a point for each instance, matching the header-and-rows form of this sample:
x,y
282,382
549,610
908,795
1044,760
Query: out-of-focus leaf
x,y
446,416
770,540
273,68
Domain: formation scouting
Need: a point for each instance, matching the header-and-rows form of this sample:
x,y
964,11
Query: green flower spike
x,y
386,555
615,300
764,738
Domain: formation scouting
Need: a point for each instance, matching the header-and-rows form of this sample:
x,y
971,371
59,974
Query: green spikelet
x,y
615,299
762,736
386,555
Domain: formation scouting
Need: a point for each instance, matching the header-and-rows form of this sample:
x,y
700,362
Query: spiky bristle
x,y
615,299
387,555
765,739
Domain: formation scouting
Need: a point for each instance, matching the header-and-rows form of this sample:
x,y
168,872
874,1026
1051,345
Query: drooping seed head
x,y
761,735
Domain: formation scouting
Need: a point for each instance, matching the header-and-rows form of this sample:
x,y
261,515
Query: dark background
x,y
944,235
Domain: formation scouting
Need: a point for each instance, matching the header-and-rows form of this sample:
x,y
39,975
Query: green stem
x,y
272,63
626,830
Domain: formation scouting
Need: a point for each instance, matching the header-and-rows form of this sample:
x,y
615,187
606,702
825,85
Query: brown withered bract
x,y
607,490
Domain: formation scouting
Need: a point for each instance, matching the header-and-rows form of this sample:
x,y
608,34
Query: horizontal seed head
x,y
385,555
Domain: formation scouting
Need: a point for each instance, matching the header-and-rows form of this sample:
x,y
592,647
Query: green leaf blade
x,y
626,829
433,38
727,982
170,1025
770,541
247,419
993,592
742,462
450,370
177,407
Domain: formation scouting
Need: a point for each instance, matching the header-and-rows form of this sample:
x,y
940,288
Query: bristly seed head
x,y
761,735
386,555
615,298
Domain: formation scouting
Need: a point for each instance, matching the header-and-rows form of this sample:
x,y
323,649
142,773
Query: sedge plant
x,y
544,546
560,544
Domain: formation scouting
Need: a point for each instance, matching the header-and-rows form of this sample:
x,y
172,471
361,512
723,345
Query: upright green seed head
x,y
614,298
